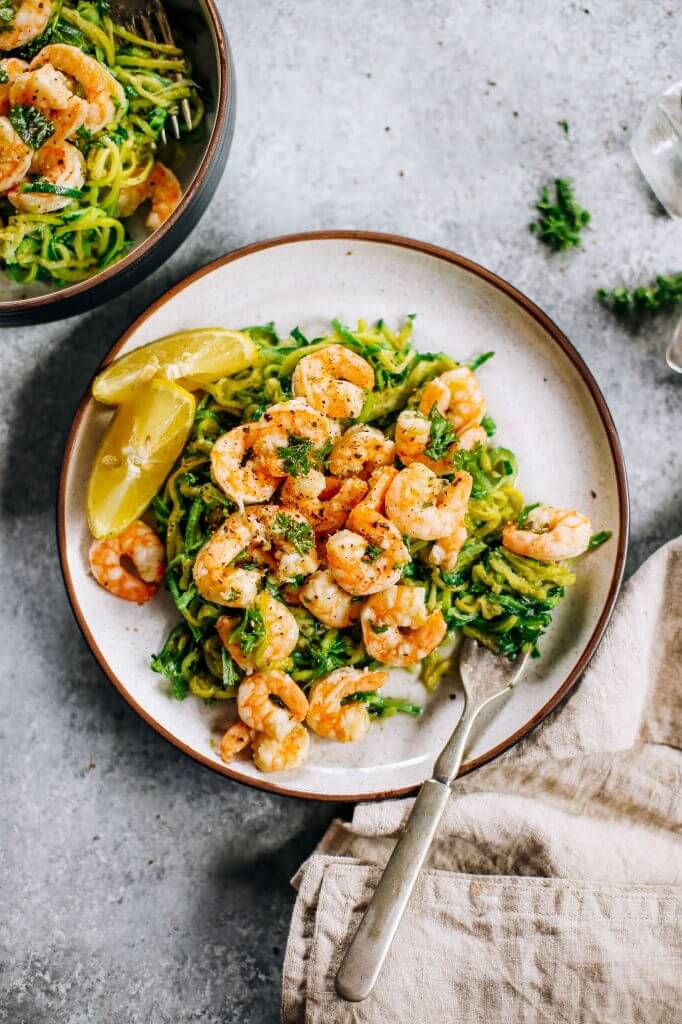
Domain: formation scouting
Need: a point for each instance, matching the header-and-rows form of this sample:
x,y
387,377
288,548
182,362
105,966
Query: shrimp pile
x,y
334,549
80,126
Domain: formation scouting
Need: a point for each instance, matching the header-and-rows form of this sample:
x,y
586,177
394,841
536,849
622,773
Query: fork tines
x,y
139,16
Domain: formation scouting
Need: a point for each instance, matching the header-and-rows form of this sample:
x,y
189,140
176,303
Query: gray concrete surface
x,y
136,886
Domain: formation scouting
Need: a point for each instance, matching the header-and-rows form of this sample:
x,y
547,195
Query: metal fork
x,y
141,17
485,678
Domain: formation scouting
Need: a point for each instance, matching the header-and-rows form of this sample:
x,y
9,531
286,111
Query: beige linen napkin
x,y
553,891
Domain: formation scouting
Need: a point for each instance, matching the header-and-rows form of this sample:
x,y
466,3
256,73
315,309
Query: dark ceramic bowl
x,y
199,173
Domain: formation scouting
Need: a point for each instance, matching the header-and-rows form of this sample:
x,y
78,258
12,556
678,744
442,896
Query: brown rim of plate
x,y
561,340
37,301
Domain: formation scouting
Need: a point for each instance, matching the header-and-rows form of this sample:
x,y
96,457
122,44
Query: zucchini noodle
x,y
88,235
502,599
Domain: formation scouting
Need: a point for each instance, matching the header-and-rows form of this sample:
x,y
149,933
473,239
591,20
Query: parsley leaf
x,y
377,628
7,13
441,434
565,125
372,553
250,630
328,653
4,77
489,425
298,533
562,219
597,539
296,455
31,125
662,293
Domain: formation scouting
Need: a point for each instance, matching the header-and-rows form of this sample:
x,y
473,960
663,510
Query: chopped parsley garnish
x,y
565,125
489,425
561,219
322,455
597,539
31,125
4,77
250,630
328,653
441,434
371,554
377,628
383,707
298,533
296,455
7,13
663,293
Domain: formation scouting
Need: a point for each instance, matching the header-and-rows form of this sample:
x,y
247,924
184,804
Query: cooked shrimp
x,y
30,19
243,479
12,67
360,450
330,718
279,640
423,506
379,483
60,163
101,91
236,739
285,540
457,395
445,552
328,602
549,534
280,741
296,427
140,544
217,578
412,435
164,190
334,381
396,627
324,502
49,91
15,156
367,556
272,755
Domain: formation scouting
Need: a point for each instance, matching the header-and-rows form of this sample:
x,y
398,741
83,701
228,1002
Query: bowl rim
x,y
555,333
225,98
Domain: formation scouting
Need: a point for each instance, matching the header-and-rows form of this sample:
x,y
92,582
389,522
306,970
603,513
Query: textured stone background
x,y
136,886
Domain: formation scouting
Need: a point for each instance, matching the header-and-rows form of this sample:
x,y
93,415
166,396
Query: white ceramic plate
x,y
548,409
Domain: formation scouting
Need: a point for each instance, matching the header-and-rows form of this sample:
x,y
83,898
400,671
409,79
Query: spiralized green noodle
x,y
88,234
502,599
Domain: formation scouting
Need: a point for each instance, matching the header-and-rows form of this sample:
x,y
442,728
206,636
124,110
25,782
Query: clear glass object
x,y
657,148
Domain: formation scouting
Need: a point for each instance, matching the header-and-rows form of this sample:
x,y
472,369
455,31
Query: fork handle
x,y
366,954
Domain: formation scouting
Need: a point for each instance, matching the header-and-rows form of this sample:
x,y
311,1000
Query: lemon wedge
x,y
191,358
137,452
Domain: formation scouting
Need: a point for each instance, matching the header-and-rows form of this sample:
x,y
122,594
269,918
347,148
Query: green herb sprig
x,y
441,434
663,293
298,533
561,219
31,125
296,455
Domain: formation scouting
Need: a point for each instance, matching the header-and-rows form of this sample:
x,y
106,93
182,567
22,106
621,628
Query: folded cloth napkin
x,y
553,891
